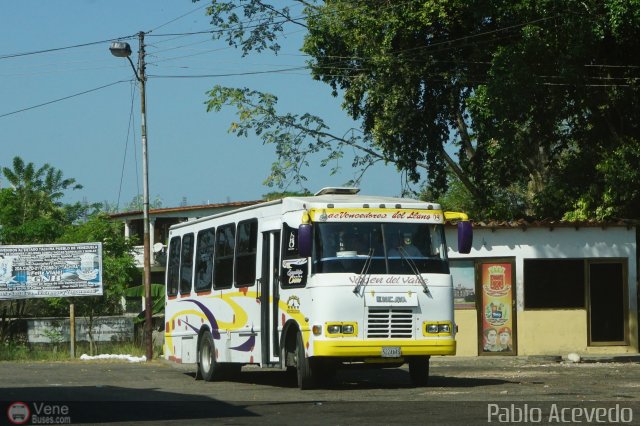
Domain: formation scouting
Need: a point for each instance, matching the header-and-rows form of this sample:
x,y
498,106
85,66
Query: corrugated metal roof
x,y
235,204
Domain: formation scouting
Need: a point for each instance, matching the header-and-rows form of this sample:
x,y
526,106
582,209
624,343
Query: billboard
x,y
50,270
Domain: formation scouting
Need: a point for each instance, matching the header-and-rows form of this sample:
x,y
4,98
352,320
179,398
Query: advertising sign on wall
x,y
497,308
50,270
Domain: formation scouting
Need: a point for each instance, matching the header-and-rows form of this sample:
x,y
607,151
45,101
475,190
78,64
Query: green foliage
x,y
278,195
118,266
137,204
617,193
31,210
157,299
530,105
298,139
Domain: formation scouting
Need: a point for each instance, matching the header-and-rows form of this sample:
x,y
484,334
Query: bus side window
x,y
186,264
223,265
246,248
173,270
204,259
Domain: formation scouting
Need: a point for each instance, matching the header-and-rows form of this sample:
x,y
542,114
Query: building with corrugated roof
x,y
548,288
160,220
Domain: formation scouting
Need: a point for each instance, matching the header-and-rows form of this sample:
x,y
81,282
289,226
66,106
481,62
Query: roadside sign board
x,y
50,270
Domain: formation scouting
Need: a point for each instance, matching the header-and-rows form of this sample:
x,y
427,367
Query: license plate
x,y
391,352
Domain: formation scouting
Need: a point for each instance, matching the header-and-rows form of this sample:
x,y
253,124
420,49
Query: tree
x,y
118,269
518,101
31,210
137,202
278,195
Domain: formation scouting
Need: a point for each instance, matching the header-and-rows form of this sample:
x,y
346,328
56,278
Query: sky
x,y
96,139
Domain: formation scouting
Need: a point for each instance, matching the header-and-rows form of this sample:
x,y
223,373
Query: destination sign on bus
x,y
367,215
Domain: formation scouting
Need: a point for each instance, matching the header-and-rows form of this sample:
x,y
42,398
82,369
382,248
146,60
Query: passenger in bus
x,y
404,246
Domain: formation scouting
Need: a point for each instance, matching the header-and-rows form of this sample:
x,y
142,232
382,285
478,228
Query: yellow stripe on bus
x,y
373,348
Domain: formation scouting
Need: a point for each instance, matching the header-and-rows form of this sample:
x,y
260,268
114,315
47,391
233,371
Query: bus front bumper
x,y
374,348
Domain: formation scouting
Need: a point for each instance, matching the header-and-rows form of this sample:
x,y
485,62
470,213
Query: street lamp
x,y
122,49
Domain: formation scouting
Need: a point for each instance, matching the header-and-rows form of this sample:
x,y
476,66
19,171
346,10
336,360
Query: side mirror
x,y
305,239
465,237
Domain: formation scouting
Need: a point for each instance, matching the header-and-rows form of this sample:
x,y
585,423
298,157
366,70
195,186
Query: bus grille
x,y
389,323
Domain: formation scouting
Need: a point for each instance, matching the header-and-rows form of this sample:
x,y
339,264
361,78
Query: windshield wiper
x,y
414,269
365,271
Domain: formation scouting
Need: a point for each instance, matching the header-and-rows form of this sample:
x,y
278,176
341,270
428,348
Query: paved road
x,y
461,391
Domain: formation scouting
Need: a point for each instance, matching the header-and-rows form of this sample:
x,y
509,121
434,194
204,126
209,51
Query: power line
x,y
126,146
179,17
447,44
64,98
55,49
229,74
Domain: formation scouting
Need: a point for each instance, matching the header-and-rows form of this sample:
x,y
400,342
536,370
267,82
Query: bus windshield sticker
x,y
290,241
368,215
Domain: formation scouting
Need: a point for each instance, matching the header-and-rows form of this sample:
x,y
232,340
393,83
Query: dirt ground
x,y
461,391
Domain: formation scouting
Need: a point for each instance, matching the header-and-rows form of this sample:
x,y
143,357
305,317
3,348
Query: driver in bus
x,y
404,245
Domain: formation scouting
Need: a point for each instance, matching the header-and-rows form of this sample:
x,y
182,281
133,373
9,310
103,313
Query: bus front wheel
x,y
306,379
419,370
207,364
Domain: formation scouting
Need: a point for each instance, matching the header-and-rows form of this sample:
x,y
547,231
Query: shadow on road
x,y
392,378
108,404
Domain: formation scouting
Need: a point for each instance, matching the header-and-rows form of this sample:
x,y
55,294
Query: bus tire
x,y
207,364
419,371
306,379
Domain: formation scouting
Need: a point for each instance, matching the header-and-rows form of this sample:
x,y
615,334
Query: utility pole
x,y
123,50
148,328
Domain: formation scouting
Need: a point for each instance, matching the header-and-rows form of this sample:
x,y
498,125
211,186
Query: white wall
x,y
547,243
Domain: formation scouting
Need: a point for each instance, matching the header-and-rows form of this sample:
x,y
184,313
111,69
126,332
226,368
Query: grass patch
x,y
12,351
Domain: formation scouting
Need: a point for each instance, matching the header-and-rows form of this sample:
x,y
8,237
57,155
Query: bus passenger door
x,y
269,297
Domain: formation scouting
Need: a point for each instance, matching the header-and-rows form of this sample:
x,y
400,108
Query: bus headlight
x,y
334,329
341,329
440,328
432,328
348,329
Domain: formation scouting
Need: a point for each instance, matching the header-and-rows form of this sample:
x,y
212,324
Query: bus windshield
x,y
344,247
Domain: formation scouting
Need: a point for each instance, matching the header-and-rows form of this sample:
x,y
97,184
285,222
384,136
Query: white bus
x,y
313,284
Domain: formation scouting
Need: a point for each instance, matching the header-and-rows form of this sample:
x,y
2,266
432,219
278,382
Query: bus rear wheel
x,y
207,365
419,371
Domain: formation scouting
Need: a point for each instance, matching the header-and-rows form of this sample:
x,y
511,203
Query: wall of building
x,y
105,329
551,331
467,337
